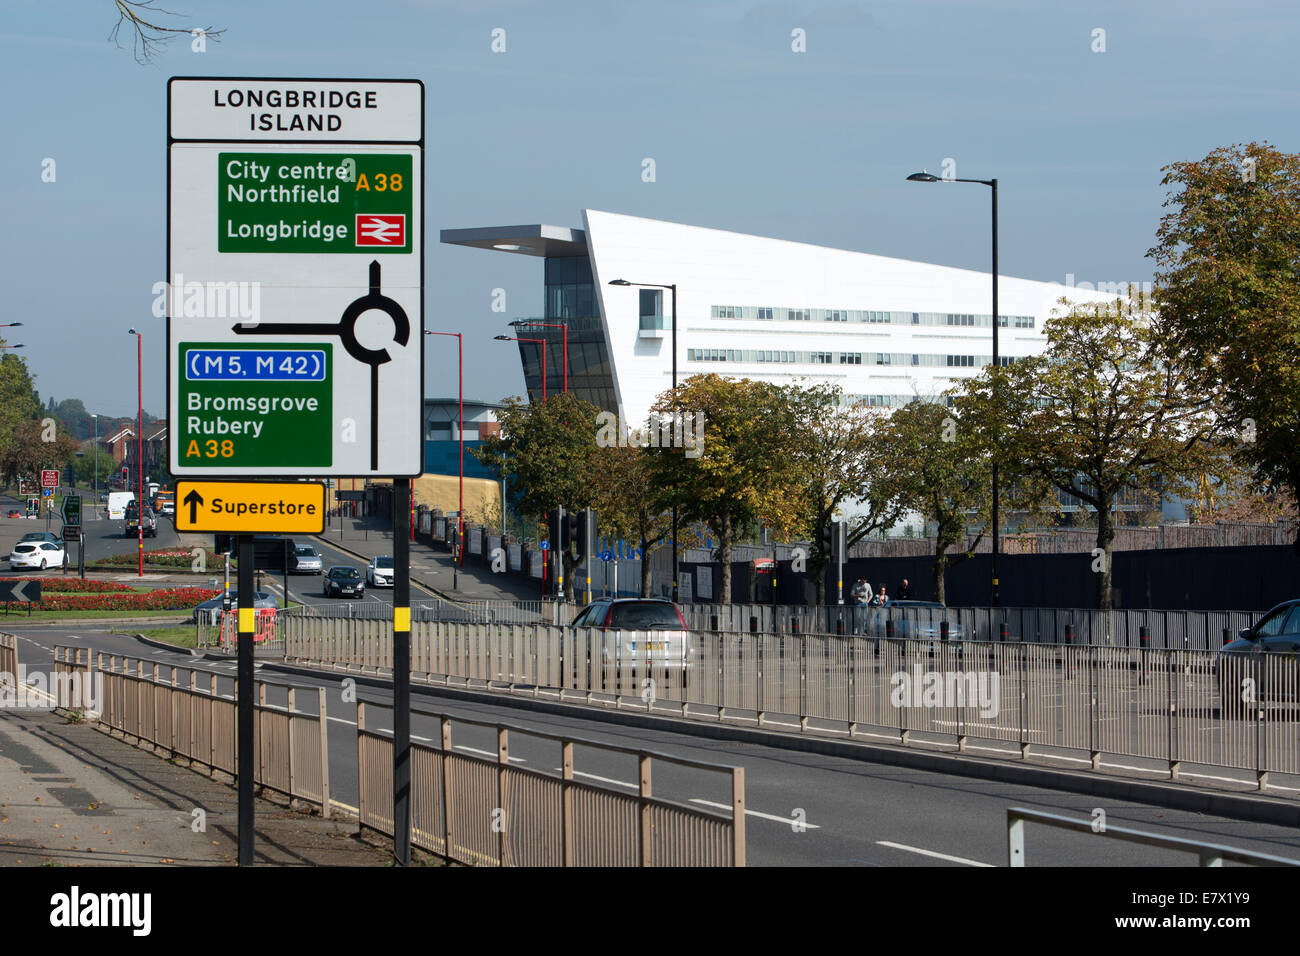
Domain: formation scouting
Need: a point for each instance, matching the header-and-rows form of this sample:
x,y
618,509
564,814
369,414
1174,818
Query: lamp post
x,y
542,343
673,287
460,433
94,440
924,177
139,444
529,325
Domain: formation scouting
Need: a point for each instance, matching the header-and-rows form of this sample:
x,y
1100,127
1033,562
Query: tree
x,y
1111,406
837,450
932,466
547,451
1228,281
620,482
140,17
747,470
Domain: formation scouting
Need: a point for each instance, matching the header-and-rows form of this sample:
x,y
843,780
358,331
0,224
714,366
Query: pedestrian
x,y
881,598
861,597
904,591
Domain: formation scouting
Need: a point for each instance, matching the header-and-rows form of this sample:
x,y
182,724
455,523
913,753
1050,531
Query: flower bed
x,y
77,585
162,599
165,557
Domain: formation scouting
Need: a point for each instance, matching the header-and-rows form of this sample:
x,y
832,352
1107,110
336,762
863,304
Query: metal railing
x,y
1176,709
9,656
1207,854
1187,630
503,814
145,702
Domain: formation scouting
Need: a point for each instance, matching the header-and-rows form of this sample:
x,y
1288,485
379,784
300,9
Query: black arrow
x,y
193,499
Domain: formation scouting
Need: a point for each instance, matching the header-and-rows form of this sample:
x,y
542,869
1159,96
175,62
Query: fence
x,y
1168,706
9,656
1188,630
144,701
508,815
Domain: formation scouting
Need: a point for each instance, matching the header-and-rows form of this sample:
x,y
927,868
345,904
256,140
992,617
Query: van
x,y
117,502
165,502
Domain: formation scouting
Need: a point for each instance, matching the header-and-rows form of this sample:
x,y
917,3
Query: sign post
x,y
295,321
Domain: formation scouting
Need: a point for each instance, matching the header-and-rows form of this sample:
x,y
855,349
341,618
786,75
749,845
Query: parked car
x,y
343,581
915,620
49,536
379,571
133,520
307,560
210,610
38,554
1249,669
630,632
14,513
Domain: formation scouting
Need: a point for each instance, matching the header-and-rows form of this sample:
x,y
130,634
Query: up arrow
x,y
193,499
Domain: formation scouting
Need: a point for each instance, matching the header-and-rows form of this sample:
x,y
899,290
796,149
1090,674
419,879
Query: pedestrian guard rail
x,y
9,656
1176,709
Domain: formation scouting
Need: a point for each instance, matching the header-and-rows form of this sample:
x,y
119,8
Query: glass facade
x,y
570,302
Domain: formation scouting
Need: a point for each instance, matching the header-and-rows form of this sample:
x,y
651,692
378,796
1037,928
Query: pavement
x,y
431,566
71,795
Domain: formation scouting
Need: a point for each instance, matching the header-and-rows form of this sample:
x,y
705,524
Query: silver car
x,y
306,560
618,641
209,612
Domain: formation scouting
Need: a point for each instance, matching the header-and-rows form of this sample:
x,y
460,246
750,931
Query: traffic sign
x,y
295,244
251,507
20,591
72,509
50,478
72,532
47,493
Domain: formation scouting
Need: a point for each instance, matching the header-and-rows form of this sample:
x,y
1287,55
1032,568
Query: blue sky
x,y
746,134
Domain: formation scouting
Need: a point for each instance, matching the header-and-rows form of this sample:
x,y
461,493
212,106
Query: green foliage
x,y
1228,278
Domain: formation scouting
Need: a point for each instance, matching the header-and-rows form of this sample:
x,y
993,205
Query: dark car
x,y
132,517
1255,667
343,581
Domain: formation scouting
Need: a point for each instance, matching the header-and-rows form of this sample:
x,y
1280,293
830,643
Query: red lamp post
x,y
139,444
565,328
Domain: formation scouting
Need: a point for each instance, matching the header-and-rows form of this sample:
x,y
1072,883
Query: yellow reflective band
x,y
401,618
247,620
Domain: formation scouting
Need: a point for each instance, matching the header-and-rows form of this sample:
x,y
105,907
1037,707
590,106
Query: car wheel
x,y
43,564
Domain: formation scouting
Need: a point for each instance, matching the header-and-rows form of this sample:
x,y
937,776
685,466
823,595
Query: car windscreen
x,y
383,562
344,573
305,552
645,616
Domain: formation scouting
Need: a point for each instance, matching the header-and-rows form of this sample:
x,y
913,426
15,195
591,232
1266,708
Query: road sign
x,y
295,244
50,478
350,495
47,493
20,591
72,532
251,507
72,509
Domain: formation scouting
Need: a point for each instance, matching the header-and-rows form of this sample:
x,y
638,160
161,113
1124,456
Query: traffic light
x,y
224,544
555,528
830,533
583,532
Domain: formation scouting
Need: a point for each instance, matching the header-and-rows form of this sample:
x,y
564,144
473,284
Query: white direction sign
x,y
295,248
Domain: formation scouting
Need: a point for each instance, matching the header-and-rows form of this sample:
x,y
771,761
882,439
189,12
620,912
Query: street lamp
x,y
139,443
460,512
924,177
673,287
542,343
94,440
529,324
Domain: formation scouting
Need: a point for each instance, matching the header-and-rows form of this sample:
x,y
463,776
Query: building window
x,y
961,361
821,358
764,313
850,358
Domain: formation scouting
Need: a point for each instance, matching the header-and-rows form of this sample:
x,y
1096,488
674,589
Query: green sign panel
x,y
314,202
72,509
265,405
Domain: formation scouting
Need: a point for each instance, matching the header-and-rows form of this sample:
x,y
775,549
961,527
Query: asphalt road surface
x,y
803,809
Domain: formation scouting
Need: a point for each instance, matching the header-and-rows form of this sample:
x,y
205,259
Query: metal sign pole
x,y
401,672
244,692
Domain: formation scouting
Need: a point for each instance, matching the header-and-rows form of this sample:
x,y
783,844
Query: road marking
x,y
788,821
485,753
592,776
937,856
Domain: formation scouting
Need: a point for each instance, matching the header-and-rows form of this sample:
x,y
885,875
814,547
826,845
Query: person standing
x,y
904,591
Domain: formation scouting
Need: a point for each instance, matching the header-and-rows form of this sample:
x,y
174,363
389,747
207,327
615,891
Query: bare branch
x,y
147,36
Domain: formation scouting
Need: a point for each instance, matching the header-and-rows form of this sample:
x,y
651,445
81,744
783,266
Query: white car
x,y
379,571
38,554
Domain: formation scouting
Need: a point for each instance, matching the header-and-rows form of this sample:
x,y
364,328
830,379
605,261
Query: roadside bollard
x,y
794,625
1227,637
943,631
713,622
753,625
839,625
1069,633
1144,636
889,629
1002,631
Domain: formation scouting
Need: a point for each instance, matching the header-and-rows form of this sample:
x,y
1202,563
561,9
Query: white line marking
x,y
485,753
592,776
938,856
788,821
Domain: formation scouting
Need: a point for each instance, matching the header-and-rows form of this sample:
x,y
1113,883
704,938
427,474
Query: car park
x,y
38,554
1258,666
379,571
307,560
343,581
630,634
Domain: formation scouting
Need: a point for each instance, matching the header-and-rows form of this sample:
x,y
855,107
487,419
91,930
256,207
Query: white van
x,y
117,501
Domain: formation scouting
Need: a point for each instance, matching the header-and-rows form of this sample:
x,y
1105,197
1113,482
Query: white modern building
x,y
886,330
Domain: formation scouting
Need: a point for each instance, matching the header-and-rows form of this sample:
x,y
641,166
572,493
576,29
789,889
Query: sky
x,y
747,134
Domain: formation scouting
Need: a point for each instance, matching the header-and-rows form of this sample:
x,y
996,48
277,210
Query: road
x,y
853,813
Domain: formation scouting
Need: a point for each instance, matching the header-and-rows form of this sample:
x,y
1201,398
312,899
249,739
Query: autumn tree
x,y
547,450
624,504
747,470
1228,284
1111,406
837,452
